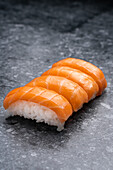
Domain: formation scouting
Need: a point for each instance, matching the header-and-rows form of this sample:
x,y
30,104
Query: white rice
x,y
36,112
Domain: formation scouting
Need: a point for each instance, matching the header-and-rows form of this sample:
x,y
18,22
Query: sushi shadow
x,y
25,131
86,113
35,134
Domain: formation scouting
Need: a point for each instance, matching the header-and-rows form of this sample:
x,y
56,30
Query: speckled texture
x,y
33,36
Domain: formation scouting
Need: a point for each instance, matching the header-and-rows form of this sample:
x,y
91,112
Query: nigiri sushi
x,y
87,68
40,104
77,76
54,96
67,88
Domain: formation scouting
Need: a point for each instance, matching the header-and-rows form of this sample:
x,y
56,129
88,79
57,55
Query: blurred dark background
x,y
64,15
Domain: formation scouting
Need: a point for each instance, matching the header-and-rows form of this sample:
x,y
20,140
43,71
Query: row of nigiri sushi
x,y
52,97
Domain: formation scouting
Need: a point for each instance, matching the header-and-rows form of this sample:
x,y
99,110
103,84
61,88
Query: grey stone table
x,y
34,35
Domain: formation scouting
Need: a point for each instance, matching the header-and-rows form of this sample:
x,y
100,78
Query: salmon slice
x,y
67,88
42,96
13,91
87,68
84,80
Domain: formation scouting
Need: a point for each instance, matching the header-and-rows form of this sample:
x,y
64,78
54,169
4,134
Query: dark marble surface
x,y
33,36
